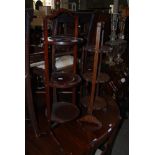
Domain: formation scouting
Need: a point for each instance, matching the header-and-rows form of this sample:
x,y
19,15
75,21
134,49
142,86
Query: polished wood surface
x,y
75,137
43,145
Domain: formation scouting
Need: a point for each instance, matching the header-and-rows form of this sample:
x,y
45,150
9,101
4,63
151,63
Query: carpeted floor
x,y
121,145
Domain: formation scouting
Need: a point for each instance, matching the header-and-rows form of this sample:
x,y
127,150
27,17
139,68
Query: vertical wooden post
x,y
75,56
95,67
47,70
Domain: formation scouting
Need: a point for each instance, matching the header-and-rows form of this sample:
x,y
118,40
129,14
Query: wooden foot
x,y
90,119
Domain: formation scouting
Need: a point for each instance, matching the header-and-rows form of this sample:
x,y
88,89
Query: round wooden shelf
x,y
64,80
102,78
64,112
64,40
116,42
99,103
104,49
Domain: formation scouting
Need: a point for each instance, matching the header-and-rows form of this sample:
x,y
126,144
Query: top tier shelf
x,y
64,40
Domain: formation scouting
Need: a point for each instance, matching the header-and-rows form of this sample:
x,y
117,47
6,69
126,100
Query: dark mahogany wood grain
x,y
76,138
82,138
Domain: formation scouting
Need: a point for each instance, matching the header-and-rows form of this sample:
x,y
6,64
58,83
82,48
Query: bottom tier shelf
x,y
99,104
64,112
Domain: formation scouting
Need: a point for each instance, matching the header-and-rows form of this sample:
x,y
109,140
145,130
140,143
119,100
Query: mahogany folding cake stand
x,y
95,77
61,42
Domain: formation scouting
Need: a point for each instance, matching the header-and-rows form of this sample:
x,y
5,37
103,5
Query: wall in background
x,y
28,3
90,4
85,4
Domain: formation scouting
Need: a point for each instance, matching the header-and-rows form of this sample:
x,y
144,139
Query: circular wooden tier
x,y
104,49
64,112
99,103
102,78
64,40
64,80
116,42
